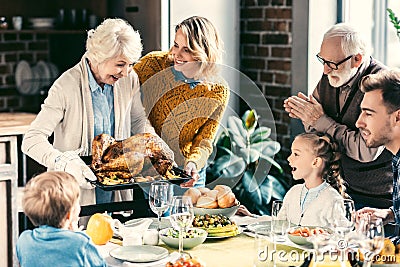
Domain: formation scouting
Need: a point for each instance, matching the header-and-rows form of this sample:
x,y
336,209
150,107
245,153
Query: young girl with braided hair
x,y
315,159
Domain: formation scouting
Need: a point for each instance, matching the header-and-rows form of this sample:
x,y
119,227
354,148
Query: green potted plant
x,y
243,157
395,21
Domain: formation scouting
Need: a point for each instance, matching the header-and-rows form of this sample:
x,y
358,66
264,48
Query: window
x,y
373,20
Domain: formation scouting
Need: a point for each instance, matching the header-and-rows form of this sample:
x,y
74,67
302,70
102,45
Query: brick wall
x,y
16,46
265,48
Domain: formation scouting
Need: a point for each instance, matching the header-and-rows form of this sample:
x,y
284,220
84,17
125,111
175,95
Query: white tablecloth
x,y
234,251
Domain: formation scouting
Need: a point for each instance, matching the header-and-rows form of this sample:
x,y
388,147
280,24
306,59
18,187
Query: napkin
x,y
160,263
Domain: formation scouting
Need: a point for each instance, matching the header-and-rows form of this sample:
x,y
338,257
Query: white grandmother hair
x,y
113,38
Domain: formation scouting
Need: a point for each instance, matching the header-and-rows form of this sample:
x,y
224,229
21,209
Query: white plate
x,y
35,83
44,73
23,77
41,23
139,253
252,227
53,71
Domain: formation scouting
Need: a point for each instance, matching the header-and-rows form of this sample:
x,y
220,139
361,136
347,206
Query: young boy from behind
x,y
51,202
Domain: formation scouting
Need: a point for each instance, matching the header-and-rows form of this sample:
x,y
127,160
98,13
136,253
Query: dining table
x,y
237,251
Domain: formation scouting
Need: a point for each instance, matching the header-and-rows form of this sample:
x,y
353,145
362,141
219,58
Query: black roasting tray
x,y
178,172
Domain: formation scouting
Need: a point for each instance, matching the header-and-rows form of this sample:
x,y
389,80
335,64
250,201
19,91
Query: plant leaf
x,y
248,154
272,161
239,140
228,166
224,140
251,187
279,190
235,126
394,20
267,190
260,134
226,150
268,148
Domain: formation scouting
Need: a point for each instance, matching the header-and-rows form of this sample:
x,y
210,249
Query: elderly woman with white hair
x,y
98,95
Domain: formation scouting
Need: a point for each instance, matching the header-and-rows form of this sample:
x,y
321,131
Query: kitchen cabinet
x,y
8,199
12,125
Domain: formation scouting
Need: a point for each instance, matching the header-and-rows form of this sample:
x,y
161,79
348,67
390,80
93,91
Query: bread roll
x,y
212,193
226,200
206,202
203,190
223,188
194,194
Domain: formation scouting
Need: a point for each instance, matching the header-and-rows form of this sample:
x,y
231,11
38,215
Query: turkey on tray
x,y
139,158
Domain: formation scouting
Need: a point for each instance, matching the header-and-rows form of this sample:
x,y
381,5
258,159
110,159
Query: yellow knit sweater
x,y
186,119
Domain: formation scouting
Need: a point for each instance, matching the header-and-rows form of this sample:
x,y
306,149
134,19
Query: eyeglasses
x,y
331,64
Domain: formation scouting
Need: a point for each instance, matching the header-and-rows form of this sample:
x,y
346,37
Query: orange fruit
x,y
100,228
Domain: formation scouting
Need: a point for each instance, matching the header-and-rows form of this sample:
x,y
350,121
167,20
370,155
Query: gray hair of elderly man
x,y
352,40
113,38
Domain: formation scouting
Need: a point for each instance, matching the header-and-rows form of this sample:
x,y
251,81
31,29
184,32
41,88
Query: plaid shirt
x,y
396,186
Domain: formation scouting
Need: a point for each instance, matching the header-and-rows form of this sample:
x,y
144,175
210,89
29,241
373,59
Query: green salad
x,y
191,233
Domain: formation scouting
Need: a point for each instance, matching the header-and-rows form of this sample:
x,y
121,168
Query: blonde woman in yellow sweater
x,y
183,95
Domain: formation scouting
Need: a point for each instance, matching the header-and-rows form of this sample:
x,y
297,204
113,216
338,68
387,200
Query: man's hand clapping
x,y
307,109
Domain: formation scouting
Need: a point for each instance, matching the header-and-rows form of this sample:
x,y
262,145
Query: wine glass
x,y
371,237
181,216
343,217
159,199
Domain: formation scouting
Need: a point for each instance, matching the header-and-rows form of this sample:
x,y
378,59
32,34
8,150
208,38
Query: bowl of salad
x,y
191,238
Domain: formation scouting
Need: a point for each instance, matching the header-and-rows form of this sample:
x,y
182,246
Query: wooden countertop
x,y
15,123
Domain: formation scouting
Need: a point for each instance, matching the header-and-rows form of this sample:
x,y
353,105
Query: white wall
x,y
227,22
322,17
311,18
225,16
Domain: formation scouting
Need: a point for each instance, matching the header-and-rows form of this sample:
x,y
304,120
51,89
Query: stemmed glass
x,y
370,238
343,217
181,216
343,222
159,199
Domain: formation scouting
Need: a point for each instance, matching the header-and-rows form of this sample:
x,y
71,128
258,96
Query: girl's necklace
x,y
304,209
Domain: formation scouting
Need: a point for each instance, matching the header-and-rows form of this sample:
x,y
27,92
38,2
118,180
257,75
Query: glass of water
x,y
280,223
263,247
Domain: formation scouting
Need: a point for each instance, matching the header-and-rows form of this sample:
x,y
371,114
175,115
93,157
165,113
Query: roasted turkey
x,y
142,153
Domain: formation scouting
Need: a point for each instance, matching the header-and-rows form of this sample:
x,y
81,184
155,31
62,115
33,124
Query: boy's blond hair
x,y
49,197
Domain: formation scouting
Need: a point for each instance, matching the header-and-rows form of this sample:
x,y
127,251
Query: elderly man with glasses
x,y
334,107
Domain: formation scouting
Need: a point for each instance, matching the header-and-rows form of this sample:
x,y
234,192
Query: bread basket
x,y
228,212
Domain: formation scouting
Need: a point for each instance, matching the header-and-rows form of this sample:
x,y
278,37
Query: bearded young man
x,y
379,124
333,108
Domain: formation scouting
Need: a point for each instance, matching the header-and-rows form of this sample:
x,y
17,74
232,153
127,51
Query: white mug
x,y
17,22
